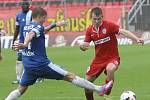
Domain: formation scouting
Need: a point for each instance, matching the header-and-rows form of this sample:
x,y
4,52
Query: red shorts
x,y
96,69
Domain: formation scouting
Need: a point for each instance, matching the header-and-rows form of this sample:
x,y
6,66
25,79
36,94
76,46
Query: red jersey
x,y
106,46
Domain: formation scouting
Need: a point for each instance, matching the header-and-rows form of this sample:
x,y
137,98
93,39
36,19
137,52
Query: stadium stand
x,y
12,3
139,17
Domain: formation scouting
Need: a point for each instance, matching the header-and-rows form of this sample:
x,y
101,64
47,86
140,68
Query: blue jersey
x,y
35,54
23,19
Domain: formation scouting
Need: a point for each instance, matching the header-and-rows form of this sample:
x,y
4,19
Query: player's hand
x,y
84,46
16,46
62,23
12,45
140,41
14,42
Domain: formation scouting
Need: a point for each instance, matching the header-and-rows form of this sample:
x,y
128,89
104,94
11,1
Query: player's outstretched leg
x,y
86,84
19,70
16,93
13,95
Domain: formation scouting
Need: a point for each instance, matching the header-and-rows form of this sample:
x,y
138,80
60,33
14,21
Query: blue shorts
x,y
50,71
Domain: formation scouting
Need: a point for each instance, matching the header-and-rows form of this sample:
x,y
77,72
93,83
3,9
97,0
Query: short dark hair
x,y
25,2
96,10
38,11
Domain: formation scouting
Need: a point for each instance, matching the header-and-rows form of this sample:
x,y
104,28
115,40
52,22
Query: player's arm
x,y
16,33
85,44
27,40
131,35
17,28
49,27
53,25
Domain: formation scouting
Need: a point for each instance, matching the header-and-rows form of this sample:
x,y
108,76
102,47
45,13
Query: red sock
x,y
89,95
106,81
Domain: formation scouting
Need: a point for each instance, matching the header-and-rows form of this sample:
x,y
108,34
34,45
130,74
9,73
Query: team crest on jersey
x,y
104,31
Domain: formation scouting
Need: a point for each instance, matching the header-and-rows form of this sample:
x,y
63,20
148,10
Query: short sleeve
x,y
114,28
38,30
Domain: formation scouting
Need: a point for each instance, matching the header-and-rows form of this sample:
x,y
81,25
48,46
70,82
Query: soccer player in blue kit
x,y
35,61
22,18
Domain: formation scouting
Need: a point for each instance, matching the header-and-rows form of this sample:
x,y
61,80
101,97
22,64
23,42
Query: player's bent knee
x,y
22,89
91,78
111,67
69,77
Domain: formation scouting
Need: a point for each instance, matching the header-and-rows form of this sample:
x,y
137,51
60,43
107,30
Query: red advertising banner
x,y
77,16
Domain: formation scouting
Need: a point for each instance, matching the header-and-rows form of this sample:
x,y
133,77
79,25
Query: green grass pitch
x,y
133,74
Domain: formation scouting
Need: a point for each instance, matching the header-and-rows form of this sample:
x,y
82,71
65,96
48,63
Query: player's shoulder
x,y
19,14
37,26
89,27
108,22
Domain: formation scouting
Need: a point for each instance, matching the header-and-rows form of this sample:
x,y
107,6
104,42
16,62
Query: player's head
x,y
96,16
39,15
25,4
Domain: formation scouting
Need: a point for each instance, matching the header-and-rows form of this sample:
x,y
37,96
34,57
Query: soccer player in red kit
x,y
103,34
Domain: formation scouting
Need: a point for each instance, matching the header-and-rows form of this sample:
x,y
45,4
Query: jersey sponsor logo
x,y
28,27
27,53
100,41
